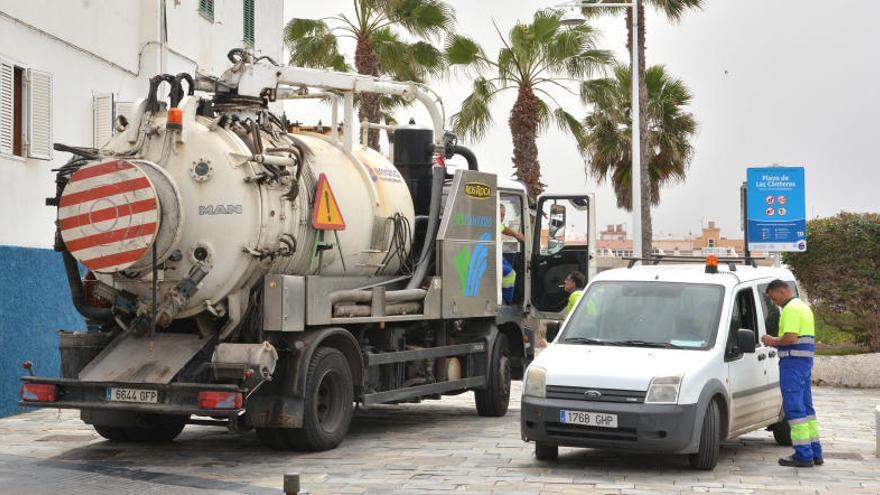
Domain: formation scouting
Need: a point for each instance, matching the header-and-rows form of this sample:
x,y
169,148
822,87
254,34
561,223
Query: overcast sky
x,y
788,82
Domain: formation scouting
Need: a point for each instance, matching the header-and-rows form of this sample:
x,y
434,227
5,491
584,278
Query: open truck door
x,y
563,241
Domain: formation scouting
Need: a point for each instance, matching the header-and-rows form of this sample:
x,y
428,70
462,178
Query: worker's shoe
x,y
791,461
818,461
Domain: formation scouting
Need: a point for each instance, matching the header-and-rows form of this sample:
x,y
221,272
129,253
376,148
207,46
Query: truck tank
x,y
213,199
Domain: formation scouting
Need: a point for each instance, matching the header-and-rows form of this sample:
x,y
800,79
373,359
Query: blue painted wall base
x,y
34,305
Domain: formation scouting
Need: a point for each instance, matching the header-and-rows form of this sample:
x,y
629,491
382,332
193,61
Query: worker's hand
x,y
768,340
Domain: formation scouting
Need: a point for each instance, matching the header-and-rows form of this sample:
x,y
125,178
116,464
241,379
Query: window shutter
x,y
206,8
102,119
7,126
249,22
40,115
125,108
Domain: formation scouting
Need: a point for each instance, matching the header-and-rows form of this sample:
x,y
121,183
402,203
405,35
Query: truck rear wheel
x,y
782,433
494,399
329,403
154,429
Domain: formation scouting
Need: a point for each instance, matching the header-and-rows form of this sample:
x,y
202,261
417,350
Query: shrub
x,y
840,272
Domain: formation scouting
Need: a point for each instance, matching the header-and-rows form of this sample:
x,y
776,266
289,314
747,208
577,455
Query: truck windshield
x,y
646,314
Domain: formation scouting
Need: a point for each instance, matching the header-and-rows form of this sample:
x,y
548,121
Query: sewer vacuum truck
x,y
244,272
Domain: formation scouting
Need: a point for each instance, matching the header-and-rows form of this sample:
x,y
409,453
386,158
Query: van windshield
x,y
646,314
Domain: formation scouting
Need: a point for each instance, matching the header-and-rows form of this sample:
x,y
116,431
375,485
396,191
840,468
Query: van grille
x,y
591,432
595,394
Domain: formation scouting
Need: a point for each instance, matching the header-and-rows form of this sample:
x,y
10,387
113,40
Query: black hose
x,y
438,175
78,294
467,154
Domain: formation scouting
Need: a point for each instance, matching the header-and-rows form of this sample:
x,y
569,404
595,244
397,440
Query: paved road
x,y
435,446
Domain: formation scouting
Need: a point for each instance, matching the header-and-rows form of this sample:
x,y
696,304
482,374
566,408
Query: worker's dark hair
x,y
580,281
777,284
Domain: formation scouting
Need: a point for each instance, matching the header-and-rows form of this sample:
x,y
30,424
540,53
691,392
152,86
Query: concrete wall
x,y
90,47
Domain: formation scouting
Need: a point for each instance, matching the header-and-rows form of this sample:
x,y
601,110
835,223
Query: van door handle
x,y
762,357
772,354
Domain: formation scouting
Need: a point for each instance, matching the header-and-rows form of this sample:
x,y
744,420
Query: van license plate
x,y
132,395
587,418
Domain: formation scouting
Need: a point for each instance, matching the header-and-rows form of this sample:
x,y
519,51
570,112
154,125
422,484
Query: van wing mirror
x,y
552,330
745,340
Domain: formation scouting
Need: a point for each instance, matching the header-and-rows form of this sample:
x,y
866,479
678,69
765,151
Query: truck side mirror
x,y
552,330
745,340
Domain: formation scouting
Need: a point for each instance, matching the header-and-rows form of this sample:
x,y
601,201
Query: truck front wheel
x,y
494,399
329,403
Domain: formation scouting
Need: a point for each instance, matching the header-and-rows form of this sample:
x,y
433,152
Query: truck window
x,y
512,219
743,315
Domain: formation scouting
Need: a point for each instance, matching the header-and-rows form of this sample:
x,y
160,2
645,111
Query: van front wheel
x,y
710,440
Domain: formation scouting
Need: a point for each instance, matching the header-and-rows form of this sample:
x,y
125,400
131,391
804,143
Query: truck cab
x,y
665,359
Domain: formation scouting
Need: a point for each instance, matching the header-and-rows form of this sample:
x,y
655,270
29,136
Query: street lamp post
x,y
636,131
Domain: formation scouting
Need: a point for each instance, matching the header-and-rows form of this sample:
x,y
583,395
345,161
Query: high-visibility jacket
x,y
797,317
573,299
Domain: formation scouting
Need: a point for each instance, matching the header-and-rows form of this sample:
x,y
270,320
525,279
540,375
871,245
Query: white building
x,y
66,68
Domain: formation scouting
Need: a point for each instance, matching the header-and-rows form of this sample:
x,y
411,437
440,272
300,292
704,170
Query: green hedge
x,y
840,271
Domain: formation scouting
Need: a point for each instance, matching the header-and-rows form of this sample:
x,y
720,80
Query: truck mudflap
x,y
202,399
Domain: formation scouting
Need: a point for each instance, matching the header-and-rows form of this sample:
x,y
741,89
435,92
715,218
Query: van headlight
x,y
536,379
663,390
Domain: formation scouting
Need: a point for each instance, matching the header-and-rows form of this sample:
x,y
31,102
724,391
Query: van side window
x,y
743,315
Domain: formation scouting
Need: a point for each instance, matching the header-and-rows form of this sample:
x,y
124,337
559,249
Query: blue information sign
x,y
777,212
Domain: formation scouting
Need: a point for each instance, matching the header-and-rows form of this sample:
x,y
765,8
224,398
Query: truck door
x,y
563,241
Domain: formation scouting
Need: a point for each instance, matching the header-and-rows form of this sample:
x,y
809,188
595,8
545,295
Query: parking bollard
x,y
291,484
877,431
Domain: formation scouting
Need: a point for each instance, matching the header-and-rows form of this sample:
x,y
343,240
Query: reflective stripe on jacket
x,y
797,317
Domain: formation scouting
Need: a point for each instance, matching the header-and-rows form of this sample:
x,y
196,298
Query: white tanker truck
x,y
242,271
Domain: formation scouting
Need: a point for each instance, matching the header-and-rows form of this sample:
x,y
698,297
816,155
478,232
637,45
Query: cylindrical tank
x,y
413,147
196,196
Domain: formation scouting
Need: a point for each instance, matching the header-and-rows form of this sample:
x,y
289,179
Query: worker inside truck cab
x,y
574,284
508,274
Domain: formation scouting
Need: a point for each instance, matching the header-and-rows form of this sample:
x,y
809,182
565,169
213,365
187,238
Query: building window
x,y
206,9
249,22
25,111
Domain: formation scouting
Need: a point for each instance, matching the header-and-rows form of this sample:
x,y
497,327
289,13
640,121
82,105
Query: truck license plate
x,y
587,418
132,395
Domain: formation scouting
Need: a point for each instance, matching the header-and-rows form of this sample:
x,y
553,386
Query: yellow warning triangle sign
x,y
325,212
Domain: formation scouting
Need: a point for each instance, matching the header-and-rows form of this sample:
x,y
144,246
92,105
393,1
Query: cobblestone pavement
x,y
435,446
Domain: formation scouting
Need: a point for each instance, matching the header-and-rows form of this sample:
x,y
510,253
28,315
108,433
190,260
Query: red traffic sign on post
x,y
325,213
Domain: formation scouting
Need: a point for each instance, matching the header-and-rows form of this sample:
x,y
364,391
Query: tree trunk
x,y
524,130
645,186
366,63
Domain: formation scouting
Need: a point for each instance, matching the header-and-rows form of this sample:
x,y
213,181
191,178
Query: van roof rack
x,y
656,259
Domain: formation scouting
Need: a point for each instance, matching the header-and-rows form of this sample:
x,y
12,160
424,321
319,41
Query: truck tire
x,y
329,403
159,429
546,451
782,433
494,399
710,440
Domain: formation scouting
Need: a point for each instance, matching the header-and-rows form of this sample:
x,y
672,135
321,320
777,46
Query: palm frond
x,y
312,44
474,119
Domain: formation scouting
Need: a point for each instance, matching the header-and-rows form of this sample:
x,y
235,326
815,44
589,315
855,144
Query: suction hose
x,y
78,295
438,175
467,154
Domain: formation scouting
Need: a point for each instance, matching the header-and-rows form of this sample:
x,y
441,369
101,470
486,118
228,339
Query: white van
x,y
664,358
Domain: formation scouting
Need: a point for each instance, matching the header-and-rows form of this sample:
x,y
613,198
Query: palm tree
x,y
674,10
376,27
609,131
535,58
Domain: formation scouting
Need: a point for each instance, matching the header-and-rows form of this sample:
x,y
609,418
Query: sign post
x,y
775,210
